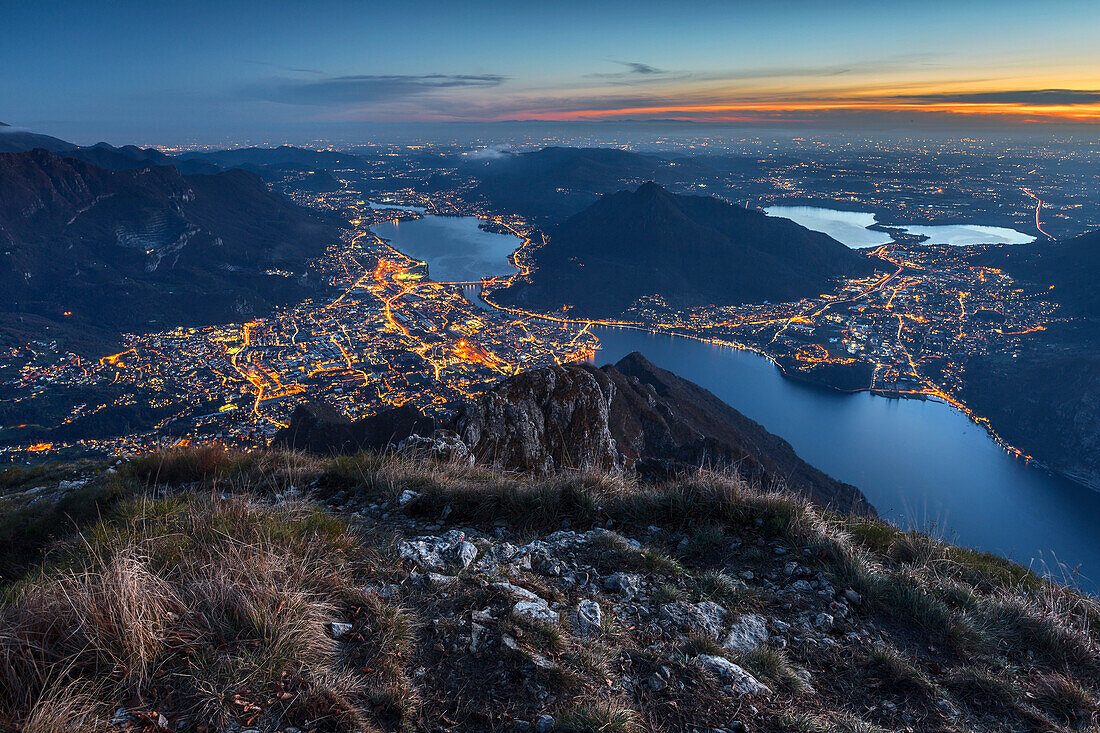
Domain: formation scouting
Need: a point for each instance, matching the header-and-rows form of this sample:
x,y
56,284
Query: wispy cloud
x,y
364,88
632,70
1032,97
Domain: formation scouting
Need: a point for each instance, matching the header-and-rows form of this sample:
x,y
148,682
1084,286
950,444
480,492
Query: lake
x,y
922,464
850,228
453,246
382,206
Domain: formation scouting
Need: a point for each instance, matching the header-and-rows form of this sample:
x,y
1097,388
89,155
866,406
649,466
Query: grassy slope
x,y
179,588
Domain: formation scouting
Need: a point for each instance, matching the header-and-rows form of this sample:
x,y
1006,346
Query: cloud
x,y
1033,97
633,69
492,152
295,69
364,88
639,68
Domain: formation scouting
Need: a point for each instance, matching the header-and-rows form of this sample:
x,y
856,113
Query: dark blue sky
x,y
160,72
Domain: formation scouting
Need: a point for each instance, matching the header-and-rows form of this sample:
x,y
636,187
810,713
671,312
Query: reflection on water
x,y
846,227
850,228
453,246
922,464
964,234
382,205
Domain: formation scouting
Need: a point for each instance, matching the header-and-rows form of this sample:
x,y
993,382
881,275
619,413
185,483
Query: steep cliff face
x,y
660,418
544,420
634,417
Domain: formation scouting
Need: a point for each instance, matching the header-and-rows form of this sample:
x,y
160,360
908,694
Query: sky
x,y
155,72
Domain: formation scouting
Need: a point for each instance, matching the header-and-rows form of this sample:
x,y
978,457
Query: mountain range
x,y
91,252
691,250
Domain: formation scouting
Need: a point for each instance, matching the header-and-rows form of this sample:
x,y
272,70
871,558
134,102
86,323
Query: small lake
x,y
453,246
922,464
382,206
846,227
850,228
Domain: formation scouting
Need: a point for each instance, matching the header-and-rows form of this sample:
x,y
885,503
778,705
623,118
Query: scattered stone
x,y
407,497
545,724
536,611
465,553
742,682
337,630
589,617
655,683
853,597
441,445
824,621
626,584
480,638
704,616
748,634
437,580
122,715
517,592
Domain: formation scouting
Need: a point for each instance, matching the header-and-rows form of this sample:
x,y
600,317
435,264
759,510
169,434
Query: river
x,y
922,464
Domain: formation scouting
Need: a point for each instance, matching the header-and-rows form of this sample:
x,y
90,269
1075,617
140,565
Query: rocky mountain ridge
x,y
104,251
631,417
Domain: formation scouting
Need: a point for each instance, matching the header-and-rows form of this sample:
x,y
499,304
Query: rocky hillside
x,y
632,418
138,250
275,592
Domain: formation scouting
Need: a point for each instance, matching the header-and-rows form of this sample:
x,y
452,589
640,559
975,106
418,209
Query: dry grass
x,y
214,610
205,611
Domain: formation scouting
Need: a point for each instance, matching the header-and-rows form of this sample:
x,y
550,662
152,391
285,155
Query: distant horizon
x,y
151,73
524,134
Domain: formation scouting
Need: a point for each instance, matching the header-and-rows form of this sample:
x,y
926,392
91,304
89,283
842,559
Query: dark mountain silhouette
x,y
318,182
284,156
131,157
692,250
16,140
554,183
1045,399
136,250
318,428
1072,266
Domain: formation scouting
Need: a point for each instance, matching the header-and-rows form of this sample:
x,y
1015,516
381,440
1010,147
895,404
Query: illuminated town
x,y
388,335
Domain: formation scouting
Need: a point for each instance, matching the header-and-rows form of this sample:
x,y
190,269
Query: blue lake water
x,y
382,205
850,228
922,464
453,246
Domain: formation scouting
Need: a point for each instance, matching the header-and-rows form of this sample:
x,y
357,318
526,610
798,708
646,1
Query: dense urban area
x,y
389,335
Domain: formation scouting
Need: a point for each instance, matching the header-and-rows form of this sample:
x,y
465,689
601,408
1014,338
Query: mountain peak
x,y
603,259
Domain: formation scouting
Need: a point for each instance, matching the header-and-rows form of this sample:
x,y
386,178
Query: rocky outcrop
x,y
634,417
318,428
545,420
